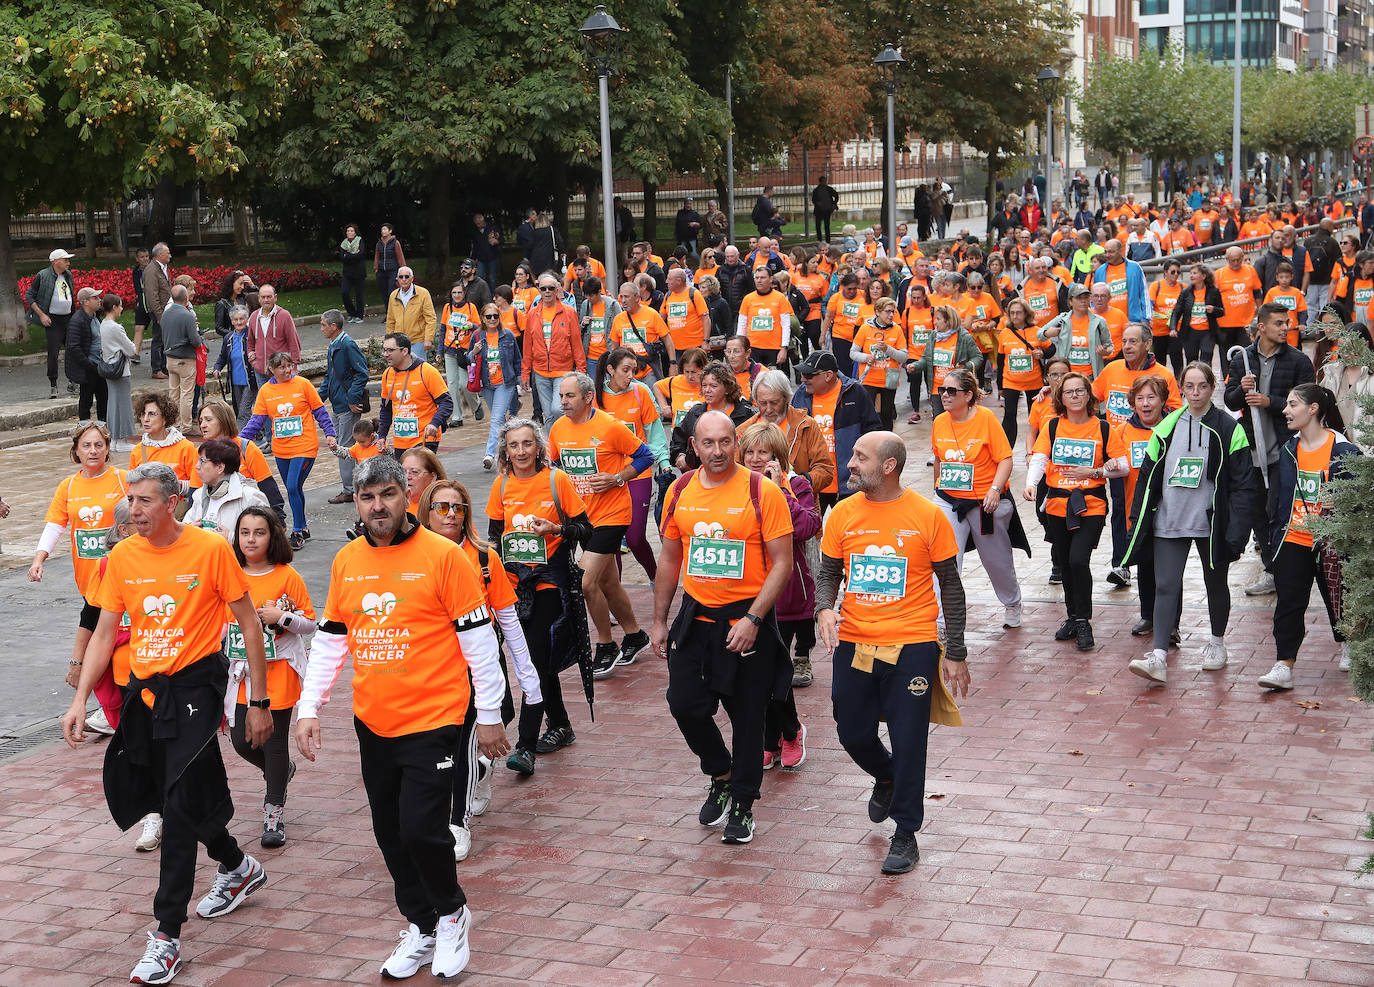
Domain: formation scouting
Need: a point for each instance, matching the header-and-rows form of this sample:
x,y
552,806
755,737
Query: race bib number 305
x,y
90,543
716,558
877,575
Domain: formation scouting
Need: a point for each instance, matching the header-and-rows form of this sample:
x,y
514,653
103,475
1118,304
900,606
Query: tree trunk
x,y
195,213
990,193
162,219
116,227
591,215
440,199
242,230
560,200
650,211
13,329
1154,177
88,232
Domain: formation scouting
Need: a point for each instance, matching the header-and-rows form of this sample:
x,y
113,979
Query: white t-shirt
x,y
61,301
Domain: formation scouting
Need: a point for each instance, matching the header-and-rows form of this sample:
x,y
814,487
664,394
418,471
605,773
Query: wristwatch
x,y
754,619
260,703
619,480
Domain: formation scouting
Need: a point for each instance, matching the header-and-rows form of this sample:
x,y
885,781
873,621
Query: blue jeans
x,y
548,398
500,400
489,271
293,473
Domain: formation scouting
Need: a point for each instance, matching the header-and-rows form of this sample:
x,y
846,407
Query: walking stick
x,y
1261,443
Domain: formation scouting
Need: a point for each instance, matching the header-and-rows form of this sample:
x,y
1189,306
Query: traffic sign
x,y
1364,148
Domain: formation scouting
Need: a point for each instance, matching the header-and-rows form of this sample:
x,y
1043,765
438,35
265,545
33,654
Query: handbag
x,y
475,372
202,359
111,369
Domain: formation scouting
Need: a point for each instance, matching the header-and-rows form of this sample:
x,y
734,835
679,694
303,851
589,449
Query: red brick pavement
x,y
1081,828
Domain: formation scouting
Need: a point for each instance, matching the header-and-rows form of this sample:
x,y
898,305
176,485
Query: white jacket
x,y
219,511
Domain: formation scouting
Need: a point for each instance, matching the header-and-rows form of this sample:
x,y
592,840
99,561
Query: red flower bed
x,y
208,280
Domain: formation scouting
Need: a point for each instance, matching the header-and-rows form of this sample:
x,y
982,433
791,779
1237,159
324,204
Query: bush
x,y
208,280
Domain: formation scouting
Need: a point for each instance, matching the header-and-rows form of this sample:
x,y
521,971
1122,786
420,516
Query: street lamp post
x,y
888,61
1046,79
1235,110
601,35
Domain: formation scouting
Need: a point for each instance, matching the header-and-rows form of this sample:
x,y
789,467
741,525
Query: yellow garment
x,y
943,709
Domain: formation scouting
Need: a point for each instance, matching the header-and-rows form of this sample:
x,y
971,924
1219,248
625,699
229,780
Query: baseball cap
x,y
817,362
1079,289
60,254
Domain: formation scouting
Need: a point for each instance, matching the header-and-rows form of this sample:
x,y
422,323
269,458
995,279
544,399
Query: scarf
x,y
172,437
940,337
354,246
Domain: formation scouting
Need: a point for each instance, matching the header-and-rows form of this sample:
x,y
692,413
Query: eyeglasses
x,y
548,287
444,507
1077,392
492,315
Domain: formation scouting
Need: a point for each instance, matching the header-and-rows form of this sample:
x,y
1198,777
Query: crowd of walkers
x,y
745,398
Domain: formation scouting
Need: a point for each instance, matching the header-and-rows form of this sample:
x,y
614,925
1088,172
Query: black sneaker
x,y
717,804
902,853
605,659
740,827
297,541
1084,636
1067,630
1142,627
555,738
479,414
1175,638
521,760
273,832
1056,577
632,647
880,802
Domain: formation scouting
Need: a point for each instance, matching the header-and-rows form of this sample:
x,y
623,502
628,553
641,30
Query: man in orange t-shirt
x,y
765,316
1240,289
175,583
1044,296
408,607
891,545
684,310
733,529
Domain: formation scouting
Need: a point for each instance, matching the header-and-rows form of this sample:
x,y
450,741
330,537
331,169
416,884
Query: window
x,y
1154,39
1150,7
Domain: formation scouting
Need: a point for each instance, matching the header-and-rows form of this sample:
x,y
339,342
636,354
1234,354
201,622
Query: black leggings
x,y
781,718
1071,553
1168,351
1010,406
1293,588
546,609
273,758
915,381
885,400
1197,345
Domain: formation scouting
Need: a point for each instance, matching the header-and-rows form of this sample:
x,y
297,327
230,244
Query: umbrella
x,y
1261,440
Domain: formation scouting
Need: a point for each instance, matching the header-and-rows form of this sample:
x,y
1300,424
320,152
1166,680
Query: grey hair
x,y
512,424
279,357
179,293
168,483
585,384
121,518
238,310
378,471
159,248
774,380
334,317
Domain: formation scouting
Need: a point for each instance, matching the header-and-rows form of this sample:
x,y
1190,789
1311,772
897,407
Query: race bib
x,y
1138,452
850,310
1187,472
677,311
580,465
596,332
1079,353
1204,224
1199,316
760,324
236,650
877,575
525,547
955,477
287,428
1073,452
1306,499
919,339
405,428
716,558
942,358
1362,295
1117,286
1118,405
1287,301
548,331
1037,302
90,543
1020,363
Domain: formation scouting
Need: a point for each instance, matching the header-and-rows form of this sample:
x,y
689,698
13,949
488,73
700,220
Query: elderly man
x,y
50,300
1240,291
410,311
1043,295
180,339
83,349
736,279
157,292
345,388
271,330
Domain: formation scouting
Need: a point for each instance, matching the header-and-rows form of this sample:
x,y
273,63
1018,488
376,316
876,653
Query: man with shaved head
x,y
733,529
892,547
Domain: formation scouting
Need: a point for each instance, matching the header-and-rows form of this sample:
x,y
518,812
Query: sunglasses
x,y
444,507
492,315
548,287
950,392
404,277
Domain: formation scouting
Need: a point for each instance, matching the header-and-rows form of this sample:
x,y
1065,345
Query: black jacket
x,y
1324,250
1212,297
762,212
543,249
354,267
680,444
82,347
683,231
1286,480
658,274
722,319
1291,368
736,281
825,199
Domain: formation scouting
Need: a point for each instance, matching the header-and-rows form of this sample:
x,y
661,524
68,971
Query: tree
x,y
1304,112
99,100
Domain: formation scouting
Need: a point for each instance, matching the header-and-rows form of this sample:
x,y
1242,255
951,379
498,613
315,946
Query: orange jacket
x,y
562,353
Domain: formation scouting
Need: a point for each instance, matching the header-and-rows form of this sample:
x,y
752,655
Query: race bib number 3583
x,y
877,575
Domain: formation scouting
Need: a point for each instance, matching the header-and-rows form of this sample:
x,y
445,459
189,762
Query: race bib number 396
x,y
525,547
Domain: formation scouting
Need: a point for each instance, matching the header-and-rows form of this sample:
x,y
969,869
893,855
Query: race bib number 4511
x,y
716,558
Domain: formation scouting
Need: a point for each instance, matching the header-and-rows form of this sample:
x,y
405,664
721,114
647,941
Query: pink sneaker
x,y
770,760
794,751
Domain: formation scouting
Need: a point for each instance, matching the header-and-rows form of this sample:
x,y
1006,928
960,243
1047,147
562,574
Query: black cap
x,y
817,362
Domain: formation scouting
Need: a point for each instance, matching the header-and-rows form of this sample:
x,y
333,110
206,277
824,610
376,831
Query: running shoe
x,y
1279,677
161,961
97,723
802,675
632,647
880,802
1056,577
231,888
151,837
794,751
717,804
740,827
1083,637
487,463
902,853
1151,667
771,759
413,951
481,793
273,832
1213,656
1012,616
1262,586
603,662
451,944
462,841
297,541
458,422
1067,630
479,414
521,760
555,738
1119,576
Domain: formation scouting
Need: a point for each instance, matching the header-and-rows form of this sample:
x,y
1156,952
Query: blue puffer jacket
x,y
854,415
1287,481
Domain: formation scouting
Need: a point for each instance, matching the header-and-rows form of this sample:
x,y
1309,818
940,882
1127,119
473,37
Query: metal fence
x,y
1253,247
216,223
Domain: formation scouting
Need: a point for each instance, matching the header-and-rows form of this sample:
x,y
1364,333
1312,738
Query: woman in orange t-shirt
x,y
878,350
524,292
631,403
218,421
453,333
918,319
1018,363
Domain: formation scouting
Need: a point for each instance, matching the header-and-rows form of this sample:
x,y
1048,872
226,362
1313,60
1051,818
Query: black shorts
x,y
605,539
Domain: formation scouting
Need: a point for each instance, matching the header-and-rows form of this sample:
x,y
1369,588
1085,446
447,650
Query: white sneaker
x,y
462,841
1151,667
1013,616
413,951
486,462
1345,656
151,837
1119,576
161,961
1279,677
481,795
1262,586
231,888
451,944
930,461
1213,656
98,723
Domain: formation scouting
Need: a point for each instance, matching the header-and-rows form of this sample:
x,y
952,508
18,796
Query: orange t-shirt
x,y
686,315
252,463
524,300
1041,411
1254,228
887,550
1314,469
846,314
823,411
510,319
1112,388
679,395
723,553
637,333
919,322
411,393
967,454
499,591
1135,441
941,359
601,444
813,287
517,502
636,410
86,506
1176,242
596,331
459,321
1042,299
980,309
1116,325
1079,350
175,598
1204,224
180,455
360,453
1163,298
1293,300
1237,295
288,407
283,588
1021,371
763,317
1077,445
870,334
1116,283
400,604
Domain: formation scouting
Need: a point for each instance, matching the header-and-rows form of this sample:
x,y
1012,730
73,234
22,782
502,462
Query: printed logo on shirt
x,y
825,421
284,407
91,514
159,608
708,529
379,606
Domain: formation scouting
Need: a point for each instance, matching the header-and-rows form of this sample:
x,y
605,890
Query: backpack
x,y
755,494
1322,261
